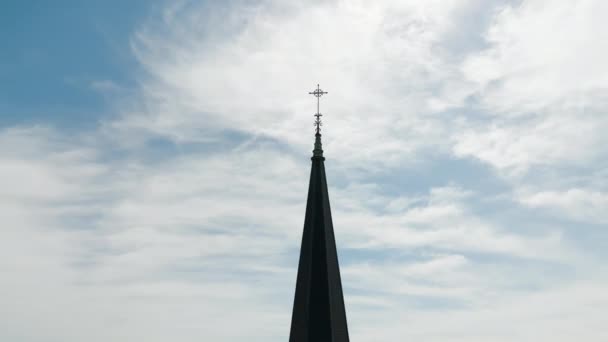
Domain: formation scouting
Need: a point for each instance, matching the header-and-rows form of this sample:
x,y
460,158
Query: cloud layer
x,y
465,156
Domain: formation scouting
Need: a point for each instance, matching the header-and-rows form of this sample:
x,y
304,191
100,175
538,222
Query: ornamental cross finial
x,y
318,93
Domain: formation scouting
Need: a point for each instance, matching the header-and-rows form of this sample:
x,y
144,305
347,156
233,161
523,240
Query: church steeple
x,y
318,308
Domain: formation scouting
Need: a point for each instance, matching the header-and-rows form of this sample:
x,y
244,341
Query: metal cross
x,y
318,93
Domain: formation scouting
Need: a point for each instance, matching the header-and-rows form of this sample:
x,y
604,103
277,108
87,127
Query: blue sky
x,y
53,52
155,156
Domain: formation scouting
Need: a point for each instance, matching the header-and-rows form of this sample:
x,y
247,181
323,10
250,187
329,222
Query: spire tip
x,y
318,151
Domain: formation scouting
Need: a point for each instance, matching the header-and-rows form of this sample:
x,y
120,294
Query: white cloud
x,y
580,204
77,229
560,136
553,314
379,61
542,53
542,78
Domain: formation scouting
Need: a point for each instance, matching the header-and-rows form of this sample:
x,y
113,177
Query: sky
x,y
154,163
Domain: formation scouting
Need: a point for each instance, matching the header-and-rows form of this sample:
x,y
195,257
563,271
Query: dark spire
x,y
318,308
